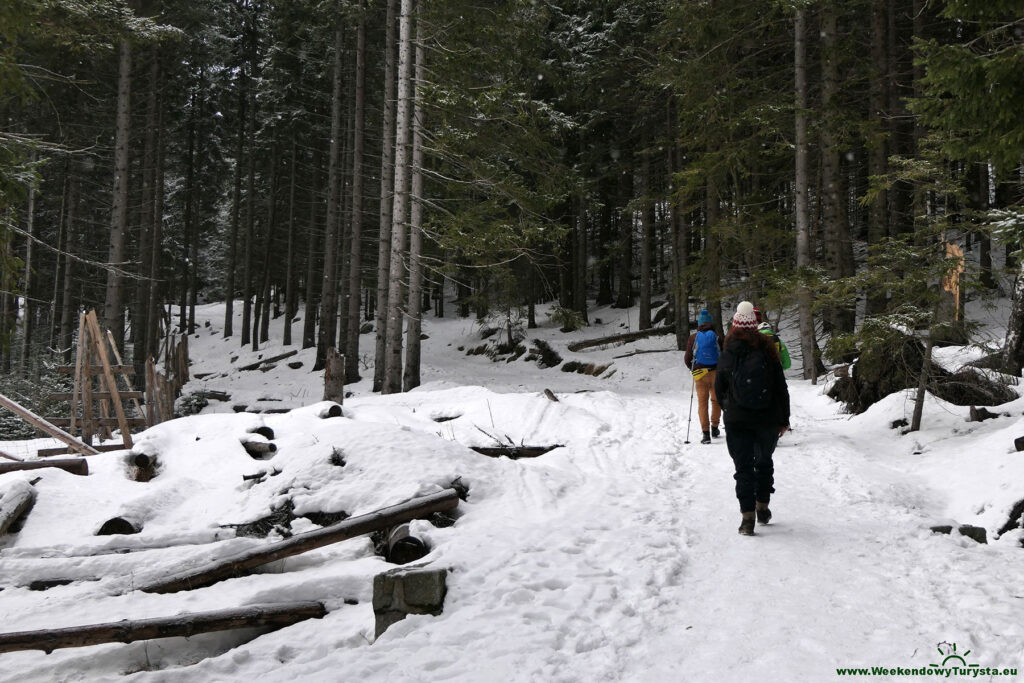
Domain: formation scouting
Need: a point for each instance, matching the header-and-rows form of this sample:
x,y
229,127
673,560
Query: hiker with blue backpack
x,y
752,389
702,350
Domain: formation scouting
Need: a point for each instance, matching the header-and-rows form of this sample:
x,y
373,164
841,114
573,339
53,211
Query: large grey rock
x,y
407,590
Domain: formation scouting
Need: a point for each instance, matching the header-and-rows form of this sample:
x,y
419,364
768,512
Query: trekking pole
x,y
689,414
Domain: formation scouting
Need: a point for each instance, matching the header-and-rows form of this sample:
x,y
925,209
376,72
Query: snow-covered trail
x,y
623,563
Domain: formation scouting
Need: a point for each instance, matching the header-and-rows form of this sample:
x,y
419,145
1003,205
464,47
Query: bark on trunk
x,y
802,208
414,307
386,188
356,253
393,348
113,315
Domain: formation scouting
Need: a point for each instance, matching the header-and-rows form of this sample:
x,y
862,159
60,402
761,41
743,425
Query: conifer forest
x,y
345,167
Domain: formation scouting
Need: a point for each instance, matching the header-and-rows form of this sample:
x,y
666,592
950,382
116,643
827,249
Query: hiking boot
x,y
715,433
747,525
764,515
706,438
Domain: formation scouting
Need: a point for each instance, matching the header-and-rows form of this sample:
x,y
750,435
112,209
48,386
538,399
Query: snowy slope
x,y
614,557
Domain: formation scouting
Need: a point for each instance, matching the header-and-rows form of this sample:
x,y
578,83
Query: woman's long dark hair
x,y
755,339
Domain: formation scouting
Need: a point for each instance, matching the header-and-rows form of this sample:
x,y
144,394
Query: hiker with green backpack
x,y
764,327
752,389
702,349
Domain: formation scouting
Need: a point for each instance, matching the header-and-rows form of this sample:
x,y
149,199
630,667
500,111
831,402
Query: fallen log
x,y
272,359
210,394
119,526
16,498
73,465
49,428
241,563
64,450
401,547
180,625
331,411
259,449
514,452
620,338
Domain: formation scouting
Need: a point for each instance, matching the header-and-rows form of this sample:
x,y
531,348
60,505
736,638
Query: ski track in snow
x,y
613,558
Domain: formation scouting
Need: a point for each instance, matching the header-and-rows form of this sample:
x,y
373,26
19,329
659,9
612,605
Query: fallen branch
x,y
637,353
127,631
272,359
43,425
514,452
620,338
242,563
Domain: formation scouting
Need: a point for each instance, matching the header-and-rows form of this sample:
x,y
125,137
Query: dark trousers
x,y
751,449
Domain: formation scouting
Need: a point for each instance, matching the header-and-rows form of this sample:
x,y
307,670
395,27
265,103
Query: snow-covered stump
x,y
142,467
16,498
404,591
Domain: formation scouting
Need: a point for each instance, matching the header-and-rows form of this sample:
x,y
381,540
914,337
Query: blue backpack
x,y
705,345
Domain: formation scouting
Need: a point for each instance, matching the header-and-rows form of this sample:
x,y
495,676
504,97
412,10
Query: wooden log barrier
x,y
241,563
73,465
181,625
16,498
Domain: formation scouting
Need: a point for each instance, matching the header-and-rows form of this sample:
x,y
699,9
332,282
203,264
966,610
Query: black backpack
x,y
751,381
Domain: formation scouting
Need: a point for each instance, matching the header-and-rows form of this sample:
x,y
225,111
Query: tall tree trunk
x,y
188,322
236,204
261,322
329,281
356,254
647,227
67,311
877,149
140,312
250,213
580,286
113,315
155,306
312,272
604,276
393,347
838,247
802,208
984,238
386,186
680,240
414,307
27,280
289,276
625,297
712,256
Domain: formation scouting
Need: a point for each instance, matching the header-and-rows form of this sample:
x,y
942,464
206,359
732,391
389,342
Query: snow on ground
x,y
613,557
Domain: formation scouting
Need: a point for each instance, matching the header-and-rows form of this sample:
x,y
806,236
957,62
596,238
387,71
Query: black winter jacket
x,y
776,416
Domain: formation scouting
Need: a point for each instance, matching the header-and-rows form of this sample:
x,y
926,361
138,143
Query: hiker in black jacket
x,y
751,388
